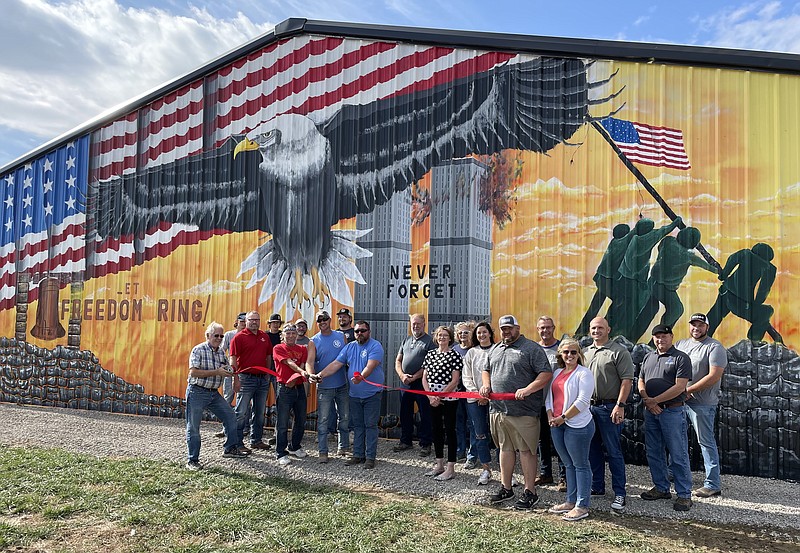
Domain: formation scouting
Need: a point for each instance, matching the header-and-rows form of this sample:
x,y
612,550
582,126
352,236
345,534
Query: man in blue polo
x,y
323,349
662,387
364,360
709,359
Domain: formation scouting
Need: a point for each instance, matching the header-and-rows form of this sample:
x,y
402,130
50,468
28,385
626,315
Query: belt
x,y
594,401
668,404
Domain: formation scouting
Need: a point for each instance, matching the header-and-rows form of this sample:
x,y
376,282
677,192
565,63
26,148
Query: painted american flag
x,y
43,217
648,144
308,75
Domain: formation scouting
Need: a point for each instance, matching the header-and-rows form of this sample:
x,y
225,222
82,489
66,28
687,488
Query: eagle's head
x,y
291,147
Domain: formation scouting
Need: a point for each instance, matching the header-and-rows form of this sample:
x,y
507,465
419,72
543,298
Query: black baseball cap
x,y
344,311
275,318
699,317
241,316
662,329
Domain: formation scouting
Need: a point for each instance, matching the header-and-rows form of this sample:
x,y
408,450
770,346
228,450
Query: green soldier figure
x,y
632,287
607,275
743,272
672,264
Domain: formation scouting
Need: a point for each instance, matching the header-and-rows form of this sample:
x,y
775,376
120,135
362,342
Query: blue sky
x,y
63,62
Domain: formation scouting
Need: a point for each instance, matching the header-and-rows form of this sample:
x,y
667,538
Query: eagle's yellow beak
x,y
245,145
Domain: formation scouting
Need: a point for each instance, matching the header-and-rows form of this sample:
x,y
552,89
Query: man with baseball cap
x,y
346,324
302,329
709,359
519,366
663,378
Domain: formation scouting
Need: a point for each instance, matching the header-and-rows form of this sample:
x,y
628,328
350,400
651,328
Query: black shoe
x,y
654,493
501,496
425,451
354,461
401,447
527,501
595,492
193,465
234,453
543,479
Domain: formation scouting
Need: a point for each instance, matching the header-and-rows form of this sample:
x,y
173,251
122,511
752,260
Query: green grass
x,y
143,505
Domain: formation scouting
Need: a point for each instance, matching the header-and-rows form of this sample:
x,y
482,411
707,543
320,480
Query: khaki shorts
x,y
515,433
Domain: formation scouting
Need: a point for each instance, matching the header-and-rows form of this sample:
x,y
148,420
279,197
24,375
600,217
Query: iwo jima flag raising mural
x,y
312,168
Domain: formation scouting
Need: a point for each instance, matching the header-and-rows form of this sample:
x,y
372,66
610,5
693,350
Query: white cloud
x,y
67,62
757,25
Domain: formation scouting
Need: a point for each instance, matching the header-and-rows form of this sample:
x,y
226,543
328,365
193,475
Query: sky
x,y
64,62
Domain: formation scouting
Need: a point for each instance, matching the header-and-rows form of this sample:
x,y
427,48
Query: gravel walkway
x,y
745,500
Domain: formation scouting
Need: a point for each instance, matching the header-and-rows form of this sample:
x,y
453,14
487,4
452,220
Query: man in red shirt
x,y
290,361
251,348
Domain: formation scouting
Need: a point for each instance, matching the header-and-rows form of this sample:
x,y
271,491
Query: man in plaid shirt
x,y
208,367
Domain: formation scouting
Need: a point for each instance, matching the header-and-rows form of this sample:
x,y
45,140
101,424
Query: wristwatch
x,y
621,404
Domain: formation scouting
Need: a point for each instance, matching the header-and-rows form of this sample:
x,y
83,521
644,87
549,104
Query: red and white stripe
x,y
659,146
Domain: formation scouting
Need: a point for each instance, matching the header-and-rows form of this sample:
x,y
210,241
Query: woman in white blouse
x,y
572,426
478,409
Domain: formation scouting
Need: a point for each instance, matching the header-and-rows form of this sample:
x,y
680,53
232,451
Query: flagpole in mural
x,y
652,191
666,151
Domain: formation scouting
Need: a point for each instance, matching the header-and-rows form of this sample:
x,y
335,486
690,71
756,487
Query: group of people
x,y
521,395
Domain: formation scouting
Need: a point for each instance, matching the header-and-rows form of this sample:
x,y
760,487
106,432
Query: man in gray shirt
x,y
519,366
408,366
709,359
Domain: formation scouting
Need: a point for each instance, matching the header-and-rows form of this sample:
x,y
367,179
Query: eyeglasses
x,y
323,320
361,330
217,335
254,320
569,352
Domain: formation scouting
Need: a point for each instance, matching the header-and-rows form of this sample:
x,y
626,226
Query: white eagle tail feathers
x,y
319,285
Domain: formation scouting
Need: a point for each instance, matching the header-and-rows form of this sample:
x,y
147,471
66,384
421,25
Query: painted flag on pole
x,y
648,144
43,217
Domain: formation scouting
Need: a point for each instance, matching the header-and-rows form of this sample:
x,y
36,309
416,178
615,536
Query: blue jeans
x,y
425,430
227,389
572,445
364,415
198,399
702,419
667,431
252,388
327,398
290,400
606,444
464,431
479,415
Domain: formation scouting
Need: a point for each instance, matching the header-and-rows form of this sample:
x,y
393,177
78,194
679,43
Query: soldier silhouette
x,y
745,271
672,264
632,290
607,275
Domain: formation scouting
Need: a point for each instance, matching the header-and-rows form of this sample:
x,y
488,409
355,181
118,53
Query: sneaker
x,y
682,504
425,451
272,441
501,496
220,434
654,493
706,492
323,458
260,445
543,479
471,464
298,453
234,453
369,464
618,504
562,485
461,457
354,461
484,477
285,460
245,450
401,447
343,451
193,465
527,501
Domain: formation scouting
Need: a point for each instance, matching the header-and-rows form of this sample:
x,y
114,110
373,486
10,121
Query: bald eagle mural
x,y
294,178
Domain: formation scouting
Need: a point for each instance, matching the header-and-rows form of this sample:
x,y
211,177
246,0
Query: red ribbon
x,y
454,395
292,379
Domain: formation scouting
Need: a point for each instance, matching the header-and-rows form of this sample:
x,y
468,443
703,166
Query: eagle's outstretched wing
x,y
209,191
383,147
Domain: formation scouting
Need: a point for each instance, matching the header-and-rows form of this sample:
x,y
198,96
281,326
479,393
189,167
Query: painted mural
x,y
389,178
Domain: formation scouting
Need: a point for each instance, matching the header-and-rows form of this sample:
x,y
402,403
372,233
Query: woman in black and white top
x,y
442,373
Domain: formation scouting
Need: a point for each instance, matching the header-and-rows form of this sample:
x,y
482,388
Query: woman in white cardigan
x,y
572,426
